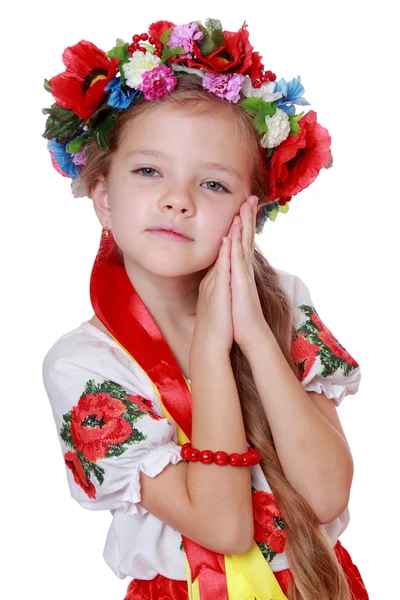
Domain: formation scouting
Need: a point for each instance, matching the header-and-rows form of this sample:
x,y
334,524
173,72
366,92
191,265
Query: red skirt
x,y
162,588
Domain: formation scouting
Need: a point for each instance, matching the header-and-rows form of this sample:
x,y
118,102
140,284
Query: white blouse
x,y
110,426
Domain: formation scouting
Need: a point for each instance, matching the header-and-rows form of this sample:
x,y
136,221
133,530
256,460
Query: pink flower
x,y
224,85
79,158
157,83
184,36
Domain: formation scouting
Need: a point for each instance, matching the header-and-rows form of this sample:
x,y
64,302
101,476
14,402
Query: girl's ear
x,y
99,197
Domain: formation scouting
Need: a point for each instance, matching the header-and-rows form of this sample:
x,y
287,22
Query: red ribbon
x,y
121,310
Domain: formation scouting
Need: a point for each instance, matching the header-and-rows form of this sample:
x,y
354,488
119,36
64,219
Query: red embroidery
x,y
269,526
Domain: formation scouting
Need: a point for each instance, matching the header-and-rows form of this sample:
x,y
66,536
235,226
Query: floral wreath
x,y
97,85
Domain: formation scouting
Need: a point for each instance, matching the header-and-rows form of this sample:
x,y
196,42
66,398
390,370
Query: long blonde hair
x,y
313,563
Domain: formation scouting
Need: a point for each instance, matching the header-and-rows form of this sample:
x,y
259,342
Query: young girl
x,y
198,404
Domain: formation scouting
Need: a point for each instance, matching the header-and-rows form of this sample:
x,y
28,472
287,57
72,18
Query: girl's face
x,y
175,168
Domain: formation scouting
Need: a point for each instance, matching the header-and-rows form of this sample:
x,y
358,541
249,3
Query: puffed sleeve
x,y
325,365
108,432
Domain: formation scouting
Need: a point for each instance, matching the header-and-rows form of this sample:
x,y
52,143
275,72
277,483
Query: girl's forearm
x,y
314,456
217,424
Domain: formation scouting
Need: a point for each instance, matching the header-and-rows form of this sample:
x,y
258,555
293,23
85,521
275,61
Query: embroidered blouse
x,y
110,426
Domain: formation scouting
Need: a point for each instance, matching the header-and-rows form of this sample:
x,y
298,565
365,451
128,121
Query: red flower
x,y
297,160
327,338
81,86
266,514
96,422
158,28
303,351
145,405
72,461
234,56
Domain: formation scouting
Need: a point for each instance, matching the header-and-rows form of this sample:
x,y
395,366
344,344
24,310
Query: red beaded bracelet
x,y
247,459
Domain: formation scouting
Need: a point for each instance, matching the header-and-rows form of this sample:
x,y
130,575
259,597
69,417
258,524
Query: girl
x,y
198,404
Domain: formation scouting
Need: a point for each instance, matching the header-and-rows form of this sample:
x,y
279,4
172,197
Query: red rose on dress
x,y
305,352
266,515
72,461
97,422
327,338
234,56
158,28
81,86
297,161
144,404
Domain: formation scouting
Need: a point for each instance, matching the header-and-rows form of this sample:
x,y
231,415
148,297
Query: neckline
x,y
103,335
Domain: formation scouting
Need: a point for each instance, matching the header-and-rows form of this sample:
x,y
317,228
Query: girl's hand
x,y
247,315
213,330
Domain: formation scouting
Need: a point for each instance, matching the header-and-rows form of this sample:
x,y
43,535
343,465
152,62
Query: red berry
x,y
152,40
273,77
142,50
144,36
256,83
268,73
157,53
136,37
159,45
264,78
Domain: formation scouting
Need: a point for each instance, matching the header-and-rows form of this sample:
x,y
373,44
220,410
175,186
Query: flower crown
x,y
97,85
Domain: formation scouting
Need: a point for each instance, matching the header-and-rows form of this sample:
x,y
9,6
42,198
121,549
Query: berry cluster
x,y
265,77
143,37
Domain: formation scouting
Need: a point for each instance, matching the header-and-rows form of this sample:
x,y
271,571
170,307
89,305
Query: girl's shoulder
x,y
88,349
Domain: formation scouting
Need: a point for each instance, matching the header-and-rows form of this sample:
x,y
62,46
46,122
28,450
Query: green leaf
x,y
61,123
272,214
213,37
330,163
75,145
294,123
168,53
260,109
104,127
284,208
165,35
120,50
47,86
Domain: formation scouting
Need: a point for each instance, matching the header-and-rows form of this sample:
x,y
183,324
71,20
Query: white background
x,y
341,236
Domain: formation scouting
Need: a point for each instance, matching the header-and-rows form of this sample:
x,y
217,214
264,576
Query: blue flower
x,y
292,93
120,98
63,159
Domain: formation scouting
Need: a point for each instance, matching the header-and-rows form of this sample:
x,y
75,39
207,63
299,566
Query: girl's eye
x,y
216,183
145,169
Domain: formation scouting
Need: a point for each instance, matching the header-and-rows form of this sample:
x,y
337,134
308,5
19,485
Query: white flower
x,y
78,188
139,63
266,91
278,129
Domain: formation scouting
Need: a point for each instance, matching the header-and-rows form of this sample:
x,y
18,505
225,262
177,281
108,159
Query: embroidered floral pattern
x,y
314,339
100,426
269,526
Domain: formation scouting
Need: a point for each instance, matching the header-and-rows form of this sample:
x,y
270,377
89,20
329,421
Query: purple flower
x,y
184,36
79,158
225,85
157,83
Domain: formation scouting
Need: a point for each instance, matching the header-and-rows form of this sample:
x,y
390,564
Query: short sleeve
x,y
325,366
108,433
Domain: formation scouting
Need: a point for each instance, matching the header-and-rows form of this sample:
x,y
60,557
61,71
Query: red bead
x,y
221,457
235,459
256,456
157,53
206,457
247,460
144,36
184,451
136,37
273,77
152,39
256,83
264,78
193,455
